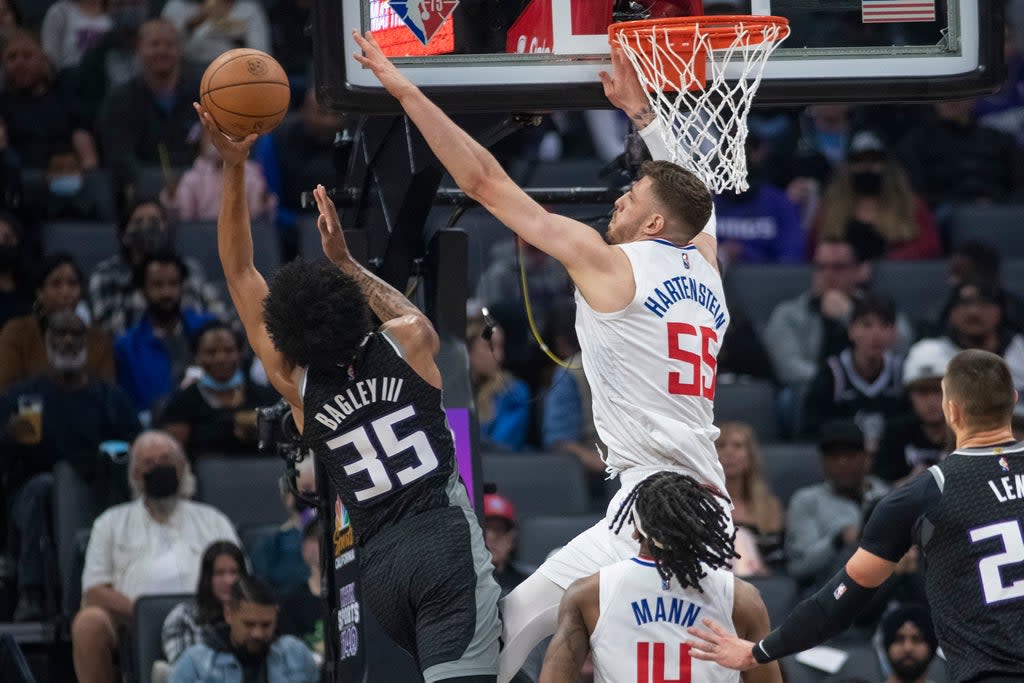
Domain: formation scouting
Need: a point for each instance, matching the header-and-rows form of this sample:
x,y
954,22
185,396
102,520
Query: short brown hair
x,y
685,197
981,384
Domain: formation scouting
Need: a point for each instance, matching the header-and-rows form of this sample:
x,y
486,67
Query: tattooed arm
x,y
577,617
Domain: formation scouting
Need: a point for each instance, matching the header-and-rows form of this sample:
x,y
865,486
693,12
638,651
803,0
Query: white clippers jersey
x,y
641,630
652,366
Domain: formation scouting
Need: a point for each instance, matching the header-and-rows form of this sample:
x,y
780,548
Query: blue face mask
x,y
65,185
209,383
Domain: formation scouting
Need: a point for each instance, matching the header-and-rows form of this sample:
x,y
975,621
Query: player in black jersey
x,y
967,516
369,404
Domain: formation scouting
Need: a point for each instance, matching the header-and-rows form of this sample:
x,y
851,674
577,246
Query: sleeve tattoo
x,y
386,302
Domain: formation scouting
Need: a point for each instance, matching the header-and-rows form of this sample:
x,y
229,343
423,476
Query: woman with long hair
x,y
502,399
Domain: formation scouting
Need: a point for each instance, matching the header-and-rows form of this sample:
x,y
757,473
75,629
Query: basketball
x,y
246,91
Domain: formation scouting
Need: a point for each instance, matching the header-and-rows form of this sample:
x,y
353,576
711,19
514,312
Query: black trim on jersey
x,y
895,524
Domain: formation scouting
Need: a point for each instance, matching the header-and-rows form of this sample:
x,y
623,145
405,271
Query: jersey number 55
x,y
684,340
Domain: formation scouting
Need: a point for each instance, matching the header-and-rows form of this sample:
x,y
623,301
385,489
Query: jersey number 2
x,y
691,382
650,664
371,460
1013,553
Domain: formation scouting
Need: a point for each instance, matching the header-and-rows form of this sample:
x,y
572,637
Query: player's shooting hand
x,y
374,59
721,647
233,152
332,235
623,90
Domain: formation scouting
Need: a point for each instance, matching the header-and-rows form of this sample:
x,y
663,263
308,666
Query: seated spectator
x,y
196,197
143,231
40,119
15,297
153,355
75,193
152,545
909,642
149,120
865,380
502,400
755,507
60,414
278,559
71,27
977,260
111,61
913,443
303,610
221,565
872,189
824,521
246,647
501,536
216,414
212,27
23,350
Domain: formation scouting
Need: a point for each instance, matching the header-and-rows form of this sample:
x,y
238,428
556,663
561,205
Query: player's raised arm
x,y
246,286
571,643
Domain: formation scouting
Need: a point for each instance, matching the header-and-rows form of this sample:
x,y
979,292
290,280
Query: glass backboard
x,y
537,55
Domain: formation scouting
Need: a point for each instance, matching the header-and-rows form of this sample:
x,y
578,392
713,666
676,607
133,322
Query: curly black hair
x,y
686,527
316,315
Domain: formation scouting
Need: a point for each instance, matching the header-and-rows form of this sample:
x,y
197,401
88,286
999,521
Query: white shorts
x,y
599,546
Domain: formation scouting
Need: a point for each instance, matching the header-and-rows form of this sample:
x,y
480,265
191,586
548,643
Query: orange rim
x,y
721,31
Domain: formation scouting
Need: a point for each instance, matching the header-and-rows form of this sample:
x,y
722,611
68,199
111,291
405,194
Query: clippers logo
x,y
839,592
1004,464
424,17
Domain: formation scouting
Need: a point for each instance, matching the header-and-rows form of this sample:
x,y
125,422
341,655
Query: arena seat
x,y
199,240
538,536
759,288
242,487
995,224
779,593
90,242
1013,276
915,286
538,483
752,402
147,643
74,509
790,466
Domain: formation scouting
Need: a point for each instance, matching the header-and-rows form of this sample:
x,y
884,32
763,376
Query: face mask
x,y
9,255
235,381
867,183
65,185
160,482
127,19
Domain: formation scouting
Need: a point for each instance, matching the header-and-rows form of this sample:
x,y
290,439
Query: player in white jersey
x,y
651,317
634,614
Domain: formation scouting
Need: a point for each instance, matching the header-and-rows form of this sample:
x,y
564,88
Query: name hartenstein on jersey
x,y
684,288
361,394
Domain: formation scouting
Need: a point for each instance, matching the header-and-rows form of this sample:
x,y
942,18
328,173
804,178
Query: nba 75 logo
x,y
424,17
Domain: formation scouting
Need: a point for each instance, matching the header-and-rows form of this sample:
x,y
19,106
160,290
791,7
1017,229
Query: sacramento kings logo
x,y
424,17
256,67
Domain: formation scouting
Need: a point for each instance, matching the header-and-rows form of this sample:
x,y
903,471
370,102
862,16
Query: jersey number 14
x,y
703,364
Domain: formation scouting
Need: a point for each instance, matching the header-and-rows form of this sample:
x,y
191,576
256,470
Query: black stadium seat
x,y
89,242
242,487
759,288
751,402
538,536
199,240
789,467
916,287
147,643
539,483
779,593
1001,225
73,513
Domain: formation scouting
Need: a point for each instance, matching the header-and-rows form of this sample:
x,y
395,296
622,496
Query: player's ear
x,y
655,225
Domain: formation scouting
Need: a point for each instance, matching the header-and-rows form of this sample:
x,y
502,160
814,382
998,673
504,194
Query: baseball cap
x,y
840,435
496,505
865,143
927,359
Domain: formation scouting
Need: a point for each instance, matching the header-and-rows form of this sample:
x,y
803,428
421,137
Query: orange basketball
x,y
246,91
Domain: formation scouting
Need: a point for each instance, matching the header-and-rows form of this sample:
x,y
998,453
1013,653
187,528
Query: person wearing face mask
x,y
15,293
23,351
872,188
152,545
63,413
74,193
112,61
216,414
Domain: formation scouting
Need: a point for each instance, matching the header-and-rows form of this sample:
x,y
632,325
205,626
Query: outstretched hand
x,y
721,647
233,152
332,235
374,59
623,89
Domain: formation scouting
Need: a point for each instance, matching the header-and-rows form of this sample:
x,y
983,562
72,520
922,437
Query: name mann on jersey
x,y
361,394
673,614
684,288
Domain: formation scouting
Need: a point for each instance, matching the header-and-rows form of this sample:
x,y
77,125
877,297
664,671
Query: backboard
x,y
538,55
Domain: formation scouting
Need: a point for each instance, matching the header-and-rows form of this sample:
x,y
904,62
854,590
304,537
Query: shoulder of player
x,y
581,591
412,333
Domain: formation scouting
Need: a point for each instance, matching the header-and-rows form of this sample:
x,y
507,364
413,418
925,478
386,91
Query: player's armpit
x,y
750,617
571,643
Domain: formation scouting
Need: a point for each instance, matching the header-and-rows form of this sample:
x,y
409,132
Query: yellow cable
x,y
529,313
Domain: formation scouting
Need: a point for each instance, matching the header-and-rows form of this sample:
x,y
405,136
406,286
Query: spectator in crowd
x,y
217,413
149,121
63,413
824,521
912,443
152,545
212,27
278,559
112,61
15,299
864,381
23,350
196,197
909,642
40,119
978,260
246,647
1004,110
221,565
76,193
303,609
153,355
71,27
501,536
755,507
10,20
502,400
143,231
873,189
951,159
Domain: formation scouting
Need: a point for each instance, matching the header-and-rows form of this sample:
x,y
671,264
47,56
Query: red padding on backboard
x,y
532,31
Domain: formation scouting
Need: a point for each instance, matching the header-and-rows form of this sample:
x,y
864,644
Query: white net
x,y
703,113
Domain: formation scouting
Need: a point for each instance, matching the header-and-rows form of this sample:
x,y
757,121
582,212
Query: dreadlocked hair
x,y
687,528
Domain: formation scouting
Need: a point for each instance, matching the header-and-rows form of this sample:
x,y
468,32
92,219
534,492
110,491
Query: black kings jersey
x,y
381,433
967,514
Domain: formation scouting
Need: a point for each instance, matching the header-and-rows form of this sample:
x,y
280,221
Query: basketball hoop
x,y
701,75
